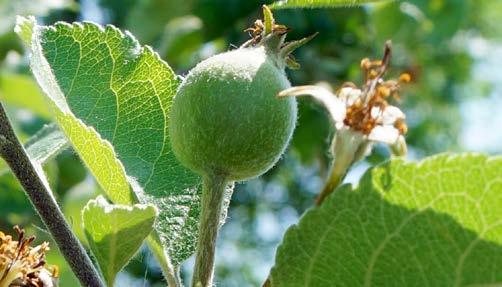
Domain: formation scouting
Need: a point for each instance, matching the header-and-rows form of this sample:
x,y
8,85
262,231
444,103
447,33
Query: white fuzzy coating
x,y
227,118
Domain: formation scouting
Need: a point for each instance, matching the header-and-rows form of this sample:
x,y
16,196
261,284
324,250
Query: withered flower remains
x,y
361,116
22,265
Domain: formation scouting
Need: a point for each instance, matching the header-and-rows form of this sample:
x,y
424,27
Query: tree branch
x,y
33,180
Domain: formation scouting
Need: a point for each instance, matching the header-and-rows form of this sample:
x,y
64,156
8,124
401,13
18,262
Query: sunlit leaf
x,y
283,4
115,233
432,223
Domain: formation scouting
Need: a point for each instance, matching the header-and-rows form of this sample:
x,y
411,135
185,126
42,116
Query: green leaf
x,y
284,4
9,10
111,98
48,142
116,232
432,223
22,92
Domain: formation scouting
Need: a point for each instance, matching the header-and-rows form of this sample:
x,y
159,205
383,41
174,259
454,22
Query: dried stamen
x,y
261,28
361,115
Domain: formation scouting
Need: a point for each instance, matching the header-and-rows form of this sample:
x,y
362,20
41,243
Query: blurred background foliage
x,y
452,49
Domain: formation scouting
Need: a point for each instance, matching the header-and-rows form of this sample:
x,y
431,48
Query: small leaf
x,y
116,232
45,144
284,4
432,223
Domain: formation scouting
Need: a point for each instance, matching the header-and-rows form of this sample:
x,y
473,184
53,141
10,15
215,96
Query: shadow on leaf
x,y
404,225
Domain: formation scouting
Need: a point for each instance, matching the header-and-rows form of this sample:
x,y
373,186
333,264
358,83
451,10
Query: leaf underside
x,y
285,4
433,223
111,98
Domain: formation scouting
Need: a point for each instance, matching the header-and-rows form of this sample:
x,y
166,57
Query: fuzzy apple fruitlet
x,y
226,119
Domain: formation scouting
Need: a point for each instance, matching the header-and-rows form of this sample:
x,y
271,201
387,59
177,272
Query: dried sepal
x,y
271,35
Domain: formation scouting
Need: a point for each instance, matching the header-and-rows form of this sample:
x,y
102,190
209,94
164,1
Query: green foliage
x,y
115,233
283,4
9,9
147,18
180,40
442,44
433,223
225,101
120,129
74,201
21,91
41,147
